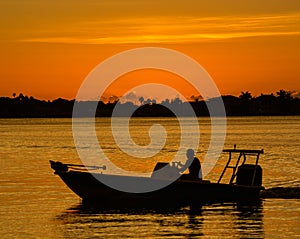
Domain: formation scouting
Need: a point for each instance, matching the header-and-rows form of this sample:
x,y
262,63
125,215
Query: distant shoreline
x,y
282,104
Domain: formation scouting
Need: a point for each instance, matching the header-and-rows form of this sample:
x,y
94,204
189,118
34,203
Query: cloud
x,y
173,29
157,38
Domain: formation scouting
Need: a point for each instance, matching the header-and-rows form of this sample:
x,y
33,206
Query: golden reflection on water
x,y
209,221
139,132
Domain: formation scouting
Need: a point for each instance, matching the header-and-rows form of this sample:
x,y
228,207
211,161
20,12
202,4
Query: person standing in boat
x,y
193,164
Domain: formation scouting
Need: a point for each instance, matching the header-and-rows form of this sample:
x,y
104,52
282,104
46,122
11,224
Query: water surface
x,y
34,203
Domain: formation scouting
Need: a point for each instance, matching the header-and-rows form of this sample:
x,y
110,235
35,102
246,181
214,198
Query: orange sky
x,y
48,47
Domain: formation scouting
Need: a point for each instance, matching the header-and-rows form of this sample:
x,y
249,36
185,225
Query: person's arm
x,y
200,170
200,173
184,166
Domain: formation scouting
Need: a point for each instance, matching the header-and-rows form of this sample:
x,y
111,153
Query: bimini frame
x,y
241,159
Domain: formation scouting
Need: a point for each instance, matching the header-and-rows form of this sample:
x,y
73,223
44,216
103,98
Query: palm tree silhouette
x,y
245,96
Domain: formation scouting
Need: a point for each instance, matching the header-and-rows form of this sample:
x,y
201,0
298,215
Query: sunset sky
x,y
49,47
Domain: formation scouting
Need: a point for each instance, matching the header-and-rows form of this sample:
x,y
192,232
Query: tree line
x,y
280,103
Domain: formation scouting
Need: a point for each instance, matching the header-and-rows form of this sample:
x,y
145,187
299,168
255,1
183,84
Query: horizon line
x,y
191,98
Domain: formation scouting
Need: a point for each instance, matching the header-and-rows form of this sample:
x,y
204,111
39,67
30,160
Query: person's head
x,y
190,153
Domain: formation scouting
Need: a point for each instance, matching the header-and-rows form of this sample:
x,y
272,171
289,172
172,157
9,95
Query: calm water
x,y
34,203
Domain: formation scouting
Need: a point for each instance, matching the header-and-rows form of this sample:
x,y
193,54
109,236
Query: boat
x,y
244,186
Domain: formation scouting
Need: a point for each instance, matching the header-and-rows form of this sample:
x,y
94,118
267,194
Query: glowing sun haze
x,y
48,47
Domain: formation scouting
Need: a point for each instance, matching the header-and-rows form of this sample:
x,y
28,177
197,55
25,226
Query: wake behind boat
x,y
244,186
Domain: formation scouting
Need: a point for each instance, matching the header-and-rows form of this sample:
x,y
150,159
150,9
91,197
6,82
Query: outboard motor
x,y
245,175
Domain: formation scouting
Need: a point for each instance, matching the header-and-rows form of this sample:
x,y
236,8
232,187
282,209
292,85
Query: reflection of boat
x,y
244,184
